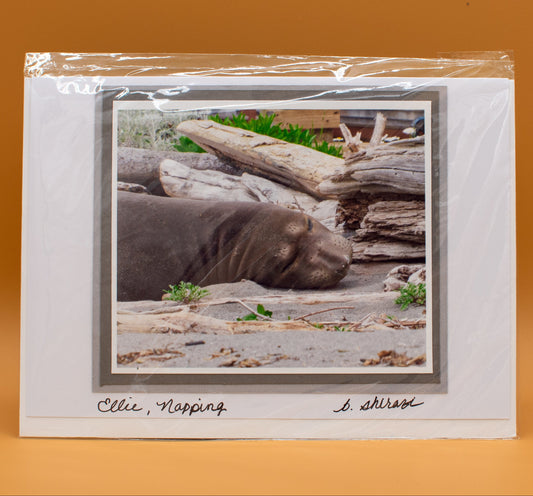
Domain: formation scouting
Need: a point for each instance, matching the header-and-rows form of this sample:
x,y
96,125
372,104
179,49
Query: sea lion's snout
x,y
343,269
332,260
321,260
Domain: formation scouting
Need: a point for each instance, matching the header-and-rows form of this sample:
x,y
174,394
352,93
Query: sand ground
x,y
317,348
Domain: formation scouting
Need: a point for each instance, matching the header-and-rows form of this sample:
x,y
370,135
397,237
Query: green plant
x,y
264,124
252,316
325,147
341,329
185,144
411,294
186,292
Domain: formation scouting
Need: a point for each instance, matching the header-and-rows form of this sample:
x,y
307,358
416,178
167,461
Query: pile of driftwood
x,y
374,196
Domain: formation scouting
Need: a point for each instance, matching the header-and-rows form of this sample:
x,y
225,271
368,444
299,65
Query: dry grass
x,y
152,129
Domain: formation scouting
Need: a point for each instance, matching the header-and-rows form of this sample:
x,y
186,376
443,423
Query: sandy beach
x,y
325,344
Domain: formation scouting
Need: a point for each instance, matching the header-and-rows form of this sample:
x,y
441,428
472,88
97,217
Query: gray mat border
x,y
308,382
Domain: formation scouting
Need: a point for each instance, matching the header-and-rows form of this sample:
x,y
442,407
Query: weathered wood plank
x,y
308,119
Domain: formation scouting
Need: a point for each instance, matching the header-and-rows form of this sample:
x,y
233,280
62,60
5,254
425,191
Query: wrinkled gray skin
x,y
163,241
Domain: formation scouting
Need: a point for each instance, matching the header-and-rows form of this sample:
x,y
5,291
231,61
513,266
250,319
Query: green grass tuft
x,y
185,292
411,294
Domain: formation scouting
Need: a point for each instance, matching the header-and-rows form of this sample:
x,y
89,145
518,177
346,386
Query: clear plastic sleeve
x,y
242,246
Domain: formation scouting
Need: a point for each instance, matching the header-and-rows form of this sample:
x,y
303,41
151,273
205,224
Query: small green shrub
x,y
411,294
325,147
252,316
185,292
187,145
340,329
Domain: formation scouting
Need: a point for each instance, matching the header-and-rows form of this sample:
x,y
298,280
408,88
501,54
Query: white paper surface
x,y
57,277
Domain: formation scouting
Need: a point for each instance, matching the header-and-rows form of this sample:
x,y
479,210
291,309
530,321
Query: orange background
x,y
343,27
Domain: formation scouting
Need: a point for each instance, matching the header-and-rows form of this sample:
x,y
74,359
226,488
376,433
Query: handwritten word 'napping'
x,y
190,408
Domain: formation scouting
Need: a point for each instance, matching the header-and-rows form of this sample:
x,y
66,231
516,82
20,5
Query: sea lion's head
x,y
294,250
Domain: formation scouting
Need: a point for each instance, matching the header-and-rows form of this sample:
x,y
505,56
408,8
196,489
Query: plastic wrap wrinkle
x,y
484,64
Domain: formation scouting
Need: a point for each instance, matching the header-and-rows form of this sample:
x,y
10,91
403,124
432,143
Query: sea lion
x,y
162,241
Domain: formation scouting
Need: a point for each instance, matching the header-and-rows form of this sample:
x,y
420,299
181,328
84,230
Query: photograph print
x,y
254,239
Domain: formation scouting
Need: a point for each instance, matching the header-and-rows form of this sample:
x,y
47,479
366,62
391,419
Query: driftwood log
x,y
390,169
383,168
180,181
140,166
399,276
352,212
133,188
394,167
352,144
185,321
383,250
402,220
381,190
296,166
379,130
385,226
163,307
